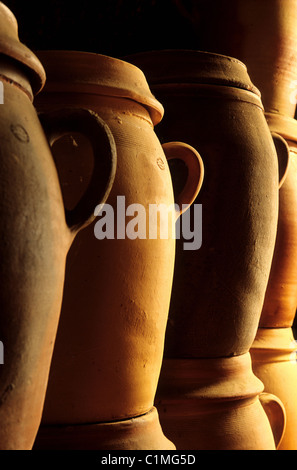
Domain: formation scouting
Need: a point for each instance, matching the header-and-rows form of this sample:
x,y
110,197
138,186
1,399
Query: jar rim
x,y
10,46
193,66
89,72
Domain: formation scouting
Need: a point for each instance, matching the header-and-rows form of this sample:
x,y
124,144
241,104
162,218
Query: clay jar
x,y
110,341
262,34
218,290
274,363
35,237
281,297
274,349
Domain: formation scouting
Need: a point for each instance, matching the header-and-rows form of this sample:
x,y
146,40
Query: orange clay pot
x,y
274,363
218,290
274,349
35,237
281,296
218,404
110,341
262,34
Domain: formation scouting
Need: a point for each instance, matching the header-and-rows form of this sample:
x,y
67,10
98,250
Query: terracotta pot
x,y
110,341
281,296
35,237
274,349
218,404
262,34
218,290
274,362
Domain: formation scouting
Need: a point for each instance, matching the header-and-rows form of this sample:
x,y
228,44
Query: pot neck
x,y
214,379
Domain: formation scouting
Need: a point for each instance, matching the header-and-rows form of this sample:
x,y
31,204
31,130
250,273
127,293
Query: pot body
x,y
274,349
110,341
218,290
36,231
34,243
263,35
280,303
274,363
117,291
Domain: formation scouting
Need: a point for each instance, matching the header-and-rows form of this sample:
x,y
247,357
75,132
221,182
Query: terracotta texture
x,y
35,236
110,341
139,433
274,349
281,297
218,291
274,362
262,34
218,404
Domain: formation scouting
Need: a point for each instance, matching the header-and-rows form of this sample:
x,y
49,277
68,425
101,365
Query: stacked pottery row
x,y
92,331
109,347
264,36
35,231
274,349
105,370
117,291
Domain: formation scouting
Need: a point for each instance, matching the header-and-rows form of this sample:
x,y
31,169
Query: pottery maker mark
x,y
20,133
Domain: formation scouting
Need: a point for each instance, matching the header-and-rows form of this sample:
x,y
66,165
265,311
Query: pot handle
x,y
283,154
194,163
61,122
276,414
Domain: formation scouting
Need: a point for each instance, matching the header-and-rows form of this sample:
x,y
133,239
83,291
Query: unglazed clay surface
x,y
35,236
218,290
110,341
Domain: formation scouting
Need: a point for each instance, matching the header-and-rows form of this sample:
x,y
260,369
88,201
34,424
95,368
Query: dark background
x,y
111,27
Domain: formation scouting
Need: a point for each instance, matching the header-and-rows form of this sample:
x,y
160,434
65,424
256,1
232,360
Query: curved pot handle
x,y
194,163
283,155
61,122
276,414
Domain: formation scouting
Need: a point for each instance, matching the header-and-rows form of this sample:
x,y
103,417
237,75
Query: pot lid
x,y
88,72
190,66
11,46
